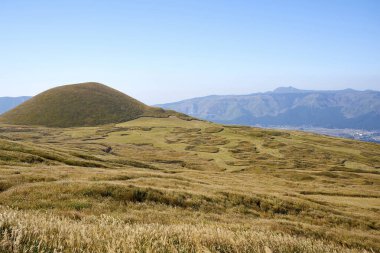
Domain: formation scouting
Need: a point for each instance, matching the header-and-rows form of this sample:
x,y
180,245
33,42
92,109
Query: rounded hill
x,y
84,104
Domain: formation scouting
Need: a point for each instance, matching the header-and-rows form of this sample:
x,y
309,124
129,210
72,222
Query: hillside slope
x,y
289,106
85,104
170,185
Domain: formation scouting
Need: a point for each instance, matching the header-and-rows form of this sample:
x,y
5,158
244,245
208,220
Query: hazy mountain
x,y
289,106
8,103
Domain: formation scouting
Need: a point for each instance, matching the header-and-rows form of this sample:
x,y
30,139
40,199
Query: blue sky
x,y
167,50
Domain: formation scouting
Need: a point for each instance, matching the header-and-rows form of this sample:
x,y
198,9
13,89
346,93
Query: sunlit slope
x,y
85,104
297,192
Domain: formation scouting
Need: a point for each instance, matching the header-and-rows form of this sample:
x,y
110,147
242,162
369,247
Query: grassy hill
x,y
173,185
85,104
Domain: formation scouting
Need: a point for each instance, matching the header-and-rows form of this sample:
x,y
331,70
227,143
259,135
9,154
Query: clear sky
x,y
167,50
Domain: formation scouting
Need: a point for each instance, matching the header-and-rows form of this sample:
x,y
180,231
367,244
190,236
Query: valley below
x,y
355,134
186,185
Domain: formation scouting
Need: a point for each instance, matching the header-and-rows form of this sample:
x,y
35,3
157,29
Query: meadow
x,y
181,185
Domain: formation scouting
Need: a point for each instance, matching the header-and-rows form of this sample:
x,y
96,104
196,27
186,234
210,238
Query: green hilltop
x,y
84,104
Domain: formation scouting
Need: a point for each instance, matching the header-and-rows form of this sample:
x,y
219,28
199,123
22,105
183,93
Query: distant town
x,y
355,134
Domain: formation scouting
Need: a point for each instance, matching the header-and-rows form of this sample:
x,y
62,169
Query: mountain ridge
x,y
8,103
289,106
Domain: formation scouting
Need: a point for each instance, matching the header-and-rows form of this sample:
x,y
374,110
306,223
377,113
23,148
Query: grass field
x,y
173,185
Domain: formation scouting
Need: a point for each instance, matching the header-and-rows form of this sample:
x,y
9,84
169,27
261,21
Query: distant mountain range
x,y
8,103
288,106
285,106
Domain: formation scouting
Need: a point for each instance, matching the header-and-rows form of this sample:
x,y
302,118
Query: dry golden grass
x,y
170,185
42,232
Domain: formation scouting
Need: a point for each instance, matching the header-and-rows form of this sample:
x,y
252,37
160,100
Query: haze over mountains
x,y
285,106
8,103
288,106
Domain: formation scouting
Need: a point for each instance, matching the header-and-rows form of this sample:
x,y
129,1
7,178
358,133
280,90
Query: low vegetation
x,y
36,232
179,185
